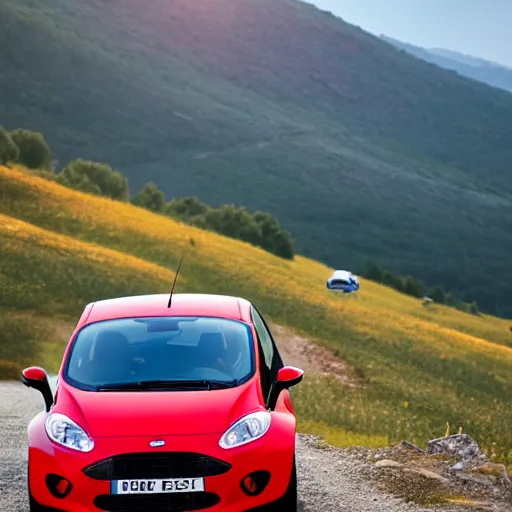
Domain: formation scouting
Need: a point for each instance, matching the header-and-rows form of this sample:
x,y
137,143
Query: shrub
x,y
273,237
389,279
9,151
373,272
34,153
473,308
151,198
186,208
95,178
438,294
413,287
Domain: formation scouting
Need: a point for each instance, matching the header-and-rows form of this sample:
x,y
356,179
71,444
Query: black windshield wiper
x,y
167,384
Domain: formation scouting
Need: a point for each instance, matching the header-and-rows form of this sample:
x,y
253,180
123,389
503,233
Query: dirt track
x,y
329,481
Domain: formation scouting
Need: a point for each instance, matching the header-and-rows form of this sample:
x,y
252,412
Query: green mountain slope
x,y
360,150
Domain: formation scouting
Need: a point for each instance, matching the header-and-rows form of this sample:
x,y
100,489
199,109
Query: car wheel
x,y
289,501
34,506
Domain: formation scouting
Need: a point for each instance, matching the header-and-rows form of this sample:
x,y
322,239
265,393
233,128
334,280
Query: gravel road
x,y
329,481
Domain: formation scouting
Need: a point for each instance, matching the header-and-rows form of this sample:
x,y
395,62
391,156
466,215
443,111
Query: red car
x,y
164,409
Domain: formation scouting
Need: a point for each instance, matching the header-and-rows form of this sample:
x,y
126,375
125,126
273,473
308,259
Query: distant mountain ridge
x,y
468,59
485,71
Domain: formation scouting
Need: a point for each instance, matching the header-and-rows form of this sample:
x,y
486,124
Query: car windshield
x,y
160,353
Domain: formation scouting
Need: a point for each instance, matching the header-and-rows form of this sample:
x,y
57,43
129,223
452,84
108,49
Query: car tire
x,y
33,506
289,502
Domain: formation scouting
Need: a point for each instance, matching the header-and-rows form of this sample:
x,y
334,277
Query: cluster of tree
x,y
416,288
260,228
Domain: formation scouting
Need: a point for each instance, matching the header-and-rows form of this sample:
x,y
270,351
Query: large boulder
x,y
461,446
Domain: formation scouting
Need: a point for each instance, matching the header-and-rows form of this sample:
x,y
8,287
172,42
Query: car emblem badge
x,y
156,444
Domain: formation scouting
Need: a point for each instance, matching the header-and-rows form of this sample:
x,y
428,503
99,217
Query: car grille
x,y
157,503
156,465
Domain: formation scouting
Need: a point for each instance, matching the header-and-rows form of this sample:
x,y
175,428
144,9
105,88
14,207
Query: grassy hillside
x,y
418,368
47,279
358,149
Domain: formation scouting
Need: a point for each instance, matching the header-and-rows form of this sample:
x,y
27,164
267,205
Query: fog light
x,y
58,486
255,483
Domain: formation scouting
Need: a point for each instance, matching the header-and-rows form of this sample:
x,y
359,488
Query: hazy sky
x,y
481,28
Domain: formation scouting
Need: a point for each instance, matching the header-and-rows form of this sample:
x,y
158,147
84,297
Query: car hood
x,y
157,413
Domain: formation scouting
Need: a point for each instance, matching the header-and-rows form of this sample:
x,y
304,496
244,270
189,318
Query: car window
x,y
271,360
265,339
160,348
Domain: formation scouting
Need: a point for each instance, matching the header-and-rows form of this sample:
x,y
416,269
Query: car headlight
x,y
65,431
246,429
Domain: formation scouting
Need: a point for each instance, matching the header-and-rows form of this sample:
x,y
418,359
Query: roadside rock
x,y
452,470
427,474
387,463
496,471
474,479
457,445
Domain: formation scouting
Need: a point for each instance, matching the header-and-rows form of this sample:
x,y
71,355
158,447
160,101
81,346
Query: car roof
x,y
341,274
183,304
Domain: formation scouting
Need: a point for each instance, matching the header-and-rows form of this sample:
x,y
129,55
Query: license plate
x,y
160,486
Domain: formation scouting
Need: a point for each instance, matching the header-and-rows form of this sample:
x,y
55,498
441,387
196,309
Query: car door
x,y
270,361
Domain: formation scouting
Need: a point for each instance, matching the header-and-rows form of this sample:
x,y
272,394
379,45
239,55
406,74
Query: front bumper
x,y
222,482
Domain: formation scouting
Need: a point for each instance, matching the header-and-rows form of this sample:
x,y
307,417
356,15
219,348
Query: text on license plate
x,y
169,485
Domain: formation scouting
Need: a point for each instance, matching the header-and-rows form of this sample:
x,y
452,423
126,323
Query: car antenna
x,y
174,283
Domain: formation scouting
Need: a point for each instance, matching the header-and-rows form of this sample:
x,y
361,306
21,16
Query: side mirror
x,y
37,378
287,377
